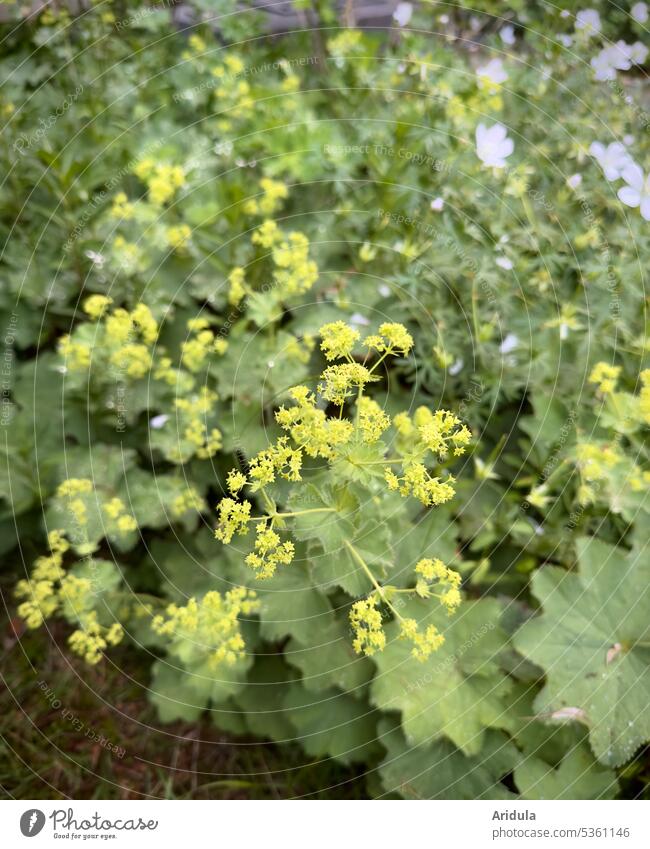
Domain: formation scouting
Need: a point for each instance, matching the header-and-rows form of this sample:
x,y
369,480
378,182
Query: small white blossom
x,y
402,14
504,262
509,344
456,367
639,12
359,320
637,191
638,53
566,40
507,34
493,72
95,258
437,204
628,139
574,181
612,159
588,20
493,145
158,421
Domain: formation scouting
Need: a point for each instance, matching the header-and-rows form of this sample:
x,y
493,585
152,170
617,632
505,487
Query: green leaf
x,y
326,657
262,699
578,776
290,605
592,641
459,691
173,696
332,723
441,771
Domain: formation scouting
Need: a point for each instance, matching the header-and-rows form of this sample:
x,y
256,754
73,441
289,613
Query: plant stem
x,y
355,554
290,515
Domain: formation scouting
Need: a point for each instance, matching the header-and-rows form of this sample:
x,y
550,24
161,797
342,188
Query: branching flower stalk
x,y
353,449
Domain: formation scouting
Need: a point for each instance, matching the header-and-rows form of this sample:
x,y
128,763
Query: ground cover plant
x,y
325,396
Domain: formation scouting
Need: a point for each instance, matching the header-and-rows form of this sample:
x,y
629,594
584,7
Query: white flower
x,y
638,52
588,20
509,343
602,65
402,13
493,145
566,40
507,34
456,368
504,262
95,258
158,421
637,191
384,290
612,159
574,181
437,204
493,72
639,12
359,320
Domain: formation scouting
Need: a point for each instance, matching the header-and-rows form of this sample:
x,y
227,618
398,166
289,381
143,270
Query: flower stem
x,y
378,587
291,515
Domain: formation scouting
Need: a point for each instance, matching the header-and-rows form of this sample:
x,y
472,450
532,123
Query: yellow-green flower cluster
x,y
186,501
437,432
208,630
441,431
342,381
41,600
116,511
193,413
163,180
372,421
417,481
338,340
310,427
273,193
124,337
605,376
91,639
594,460
392,339
367,623
198,348
269,552
122,209
50,590
278,459
96,305
234,517
237,290
424,642
433,572
310,431
178,236
69,492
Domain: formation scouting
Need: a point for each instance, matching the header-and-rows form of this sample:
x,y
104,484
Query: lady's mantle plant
x,y
359,456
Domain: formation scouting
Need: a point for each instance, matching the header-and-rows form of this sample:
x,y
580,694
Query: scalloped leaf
x,y
593,642
459,691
